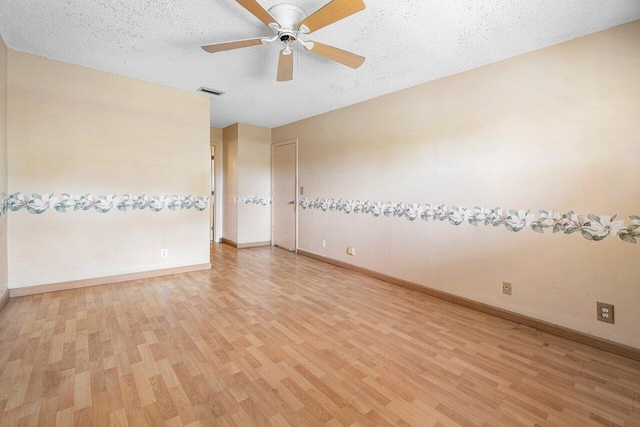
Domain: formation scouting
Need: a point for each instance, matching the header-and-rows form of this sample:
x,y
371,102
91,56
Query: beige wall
x,y
254,179
216,150
556,129
247,173
3,167
216,135
77,130
230,183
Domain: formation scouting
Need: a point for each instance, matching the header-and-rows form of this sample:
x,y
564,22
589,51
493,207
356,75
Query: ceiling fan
x,y
289,22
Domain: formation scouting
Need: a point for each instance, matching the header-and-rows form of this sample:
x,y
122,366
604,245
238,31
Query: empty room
x,y
319,213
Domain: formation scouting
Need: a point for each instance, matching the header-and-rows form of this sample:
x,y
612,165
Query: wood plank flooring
x,y
270,338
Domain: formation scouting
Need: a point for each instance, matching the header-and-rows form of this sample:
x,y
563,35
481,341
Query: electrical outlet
x,y
164,253
351,251
302,191
324,243
605,312
506,288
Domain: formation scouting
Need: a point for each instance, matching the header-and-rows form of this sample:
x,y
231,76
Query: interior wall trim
x,y
245,245
591,227
229,242
255,200
39,203
4,299
75,284
541,325
253,245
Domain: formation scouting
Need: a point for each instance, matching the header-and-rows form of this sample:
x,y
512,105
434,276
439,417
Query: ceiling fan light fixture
x,y
287,47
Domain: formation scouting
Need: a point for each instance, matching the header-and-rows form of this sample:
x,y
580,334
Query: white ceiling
x,y
406,42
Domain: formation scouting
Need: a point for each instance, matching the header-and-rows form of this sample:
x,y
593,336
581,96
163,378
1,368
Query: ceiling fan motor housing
x,y
288,15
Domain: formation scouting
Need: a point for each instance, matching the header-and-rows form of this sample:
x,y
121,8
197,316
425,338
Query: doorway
x,y
285,195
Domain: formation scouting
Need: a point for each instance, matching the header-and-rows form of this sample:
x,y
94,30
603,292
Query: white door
x,y
284,196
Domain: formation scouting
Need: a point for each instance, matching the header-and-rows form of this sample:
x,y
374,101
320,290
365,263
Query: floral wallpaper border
x,y
40,203
255,200
592,227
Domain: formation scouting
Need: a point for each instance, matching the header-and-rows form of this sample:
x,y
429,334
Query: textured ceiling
x,y
406,42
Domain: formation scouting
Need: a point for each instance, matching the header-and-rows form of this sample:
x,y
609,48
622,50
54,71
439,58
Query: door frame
x,y
297,190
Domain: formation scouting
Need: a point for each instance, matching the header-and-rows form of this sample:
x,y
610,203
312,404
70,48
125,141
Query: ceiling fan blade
x,y
219,47
333,53
285,66
258,11
332,12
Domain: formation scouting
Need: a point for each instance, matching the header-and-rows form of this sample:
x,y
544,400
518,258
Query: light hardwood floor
x,y
270,338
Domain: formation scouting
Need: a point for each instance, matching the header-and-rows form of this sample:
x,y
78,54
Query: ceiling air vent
x,y
210,91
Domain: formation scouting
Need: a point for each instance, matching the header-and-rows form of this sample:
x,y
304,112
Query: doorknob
x,y
293,202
